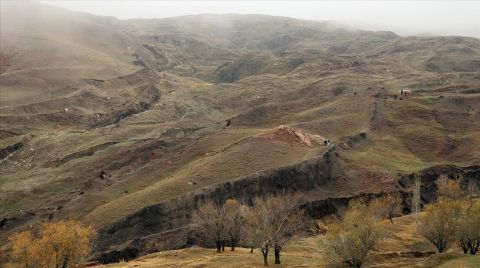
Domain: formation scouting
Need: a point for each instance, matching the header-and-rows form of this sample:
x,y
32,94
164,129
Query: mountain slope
x,y
126,125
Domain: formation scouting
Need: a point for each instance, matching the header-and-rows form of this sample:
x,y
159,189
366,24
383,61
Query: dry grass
x,y
182,137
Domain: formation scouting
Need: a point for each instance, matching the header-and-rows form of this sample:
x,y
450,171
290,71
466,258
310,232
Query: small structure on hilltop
x,y
404,92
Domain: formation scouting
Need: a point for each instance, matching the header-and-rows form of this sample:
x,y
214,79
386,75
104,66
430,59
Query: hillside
x,y
127,124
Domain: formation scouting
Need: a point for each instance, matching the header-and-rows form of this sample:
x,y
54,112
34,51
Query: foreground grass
x,y
200,257
453,260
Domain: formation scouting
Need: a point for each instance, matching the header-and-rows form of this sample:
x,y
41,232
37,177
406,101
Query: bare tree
x,y
273,215
351,240
388,206
439,223
416,194
235,221
472,190
291,230
449,188
252,232
210,220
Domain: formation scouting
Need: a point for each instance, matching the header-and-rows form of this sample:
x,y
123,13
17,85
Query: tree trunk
x,y
441,247
234,244
251,249
223,245
354,264
277,255
474,248
219,246
265,256
391,219
465,249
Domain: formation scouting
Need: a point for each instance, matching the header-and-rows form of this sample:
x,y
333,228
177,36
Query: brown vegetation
x,y
468,236
351,240
450,189
235,221
278,220
388,206
439,224
210,220
272,222
61,245
454,217
137,99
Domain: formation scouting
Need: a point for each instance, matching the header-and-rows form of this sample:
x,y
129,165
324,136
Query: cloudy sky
x,y
402,17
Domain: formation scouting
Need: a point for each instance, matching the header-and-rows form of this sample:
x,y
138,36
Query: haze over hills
x,y
128,124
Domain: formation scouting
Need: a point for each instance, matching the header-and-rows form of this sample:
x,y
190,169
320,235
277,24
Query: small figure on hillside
x,y
401,92
103,175
229,122
396,96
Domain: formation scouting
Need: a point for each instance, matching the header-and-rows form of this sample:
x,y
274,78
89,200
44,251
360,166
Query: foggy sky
x,y
402,17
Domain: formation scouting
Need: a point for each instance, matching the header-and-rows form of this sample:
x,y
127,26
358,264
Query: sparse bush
x,y
439,224
455,216
388,206
468,236
62,244
350,241
450,189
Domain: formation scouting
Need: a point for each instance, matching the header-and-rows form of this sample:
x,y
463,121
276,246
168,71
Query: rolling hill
x,y
128,124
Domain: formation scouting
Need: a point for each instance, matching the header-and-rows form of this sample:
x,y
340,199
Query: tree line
x,y
271,223
275,220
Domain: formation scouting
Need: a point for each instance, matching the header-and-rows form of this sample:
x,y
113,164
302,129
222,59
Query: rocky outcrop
x,y
7,151
300,136
429,177
147,98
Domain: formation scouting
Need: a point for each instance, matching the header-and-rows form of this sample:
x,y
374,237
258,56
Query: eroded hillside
x,y
127,125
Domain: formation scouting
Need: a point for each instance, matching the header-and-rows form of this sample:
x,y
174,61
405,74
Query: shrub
x,y
351,240
61,244
439,223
